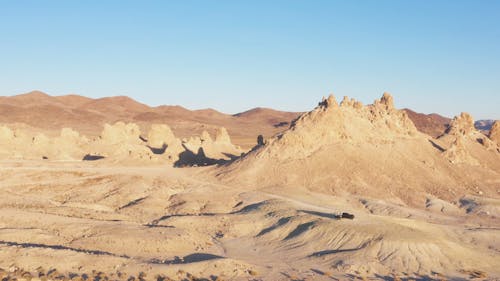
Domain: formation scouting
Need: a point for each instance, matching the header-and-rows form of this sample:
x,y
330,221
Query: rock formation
x,y
69,134
41,140
6,138
221,136
458,152
462,124
465,143
373,149
122,141
159,135
351,122
494,134
6,134
162,141
121,132
204,150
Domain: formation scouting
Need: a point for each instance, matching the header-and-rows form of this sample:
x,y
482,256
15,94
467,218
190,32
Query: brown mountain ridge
x,y
87,115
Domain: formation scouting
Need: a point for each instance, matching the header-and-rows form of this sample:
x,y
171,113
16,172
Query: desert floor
x,y
82,217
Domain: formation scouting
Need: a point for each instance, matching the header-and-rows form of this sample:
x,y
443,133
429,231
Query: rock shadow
x,y
132,203
437,146
231,157
300,229
61,247
187,158
251,207
321,214
191,258
331,252
281,124
166,217
158,151
280,222
90,157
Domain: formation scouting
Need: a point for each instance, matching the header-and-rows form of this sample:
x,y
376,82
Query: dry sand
x,y
79,217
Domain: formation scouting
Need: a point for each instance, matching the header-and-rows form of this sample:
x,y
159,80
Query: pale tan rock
x,y
222,136
362,149
205,137
121,132
6,134
41,140
162,141
160,134
387,100
69,134
462,124
494,134
458,153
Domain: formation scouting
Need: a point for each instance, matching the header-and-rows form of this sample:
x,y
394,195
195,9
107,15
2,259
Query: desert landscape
x,y
263,140
111,189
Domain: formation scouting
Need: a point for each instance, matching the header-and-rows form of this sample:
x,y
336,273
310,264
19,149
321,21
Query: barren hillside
x,y
50,114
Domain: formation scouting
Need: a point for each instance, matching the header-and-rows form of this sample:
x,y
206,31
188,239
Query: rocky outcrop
x,y
120,142
350,122
159,135
41,140
222,136
163,143
346,102
458,152
6,134
372,150
386,101
464,141
462,124
121,132
23,143
69,134
204,150
494,134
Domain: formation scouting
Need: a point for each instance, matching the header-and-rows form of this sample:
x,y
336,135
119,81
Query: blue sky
x,y
433,56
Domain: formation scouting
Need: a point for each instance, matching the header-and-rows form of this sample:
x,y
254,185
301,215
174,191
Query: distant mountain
x,y
269,116
431,124
484,125
87,115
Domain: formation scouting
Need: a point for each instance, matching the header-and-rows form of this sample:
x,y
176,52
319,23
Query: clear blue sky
x,y
433,56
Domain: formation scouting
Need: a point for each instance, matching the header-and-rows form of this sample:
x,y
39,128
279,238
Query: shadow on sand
x,y
188,158
192,258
